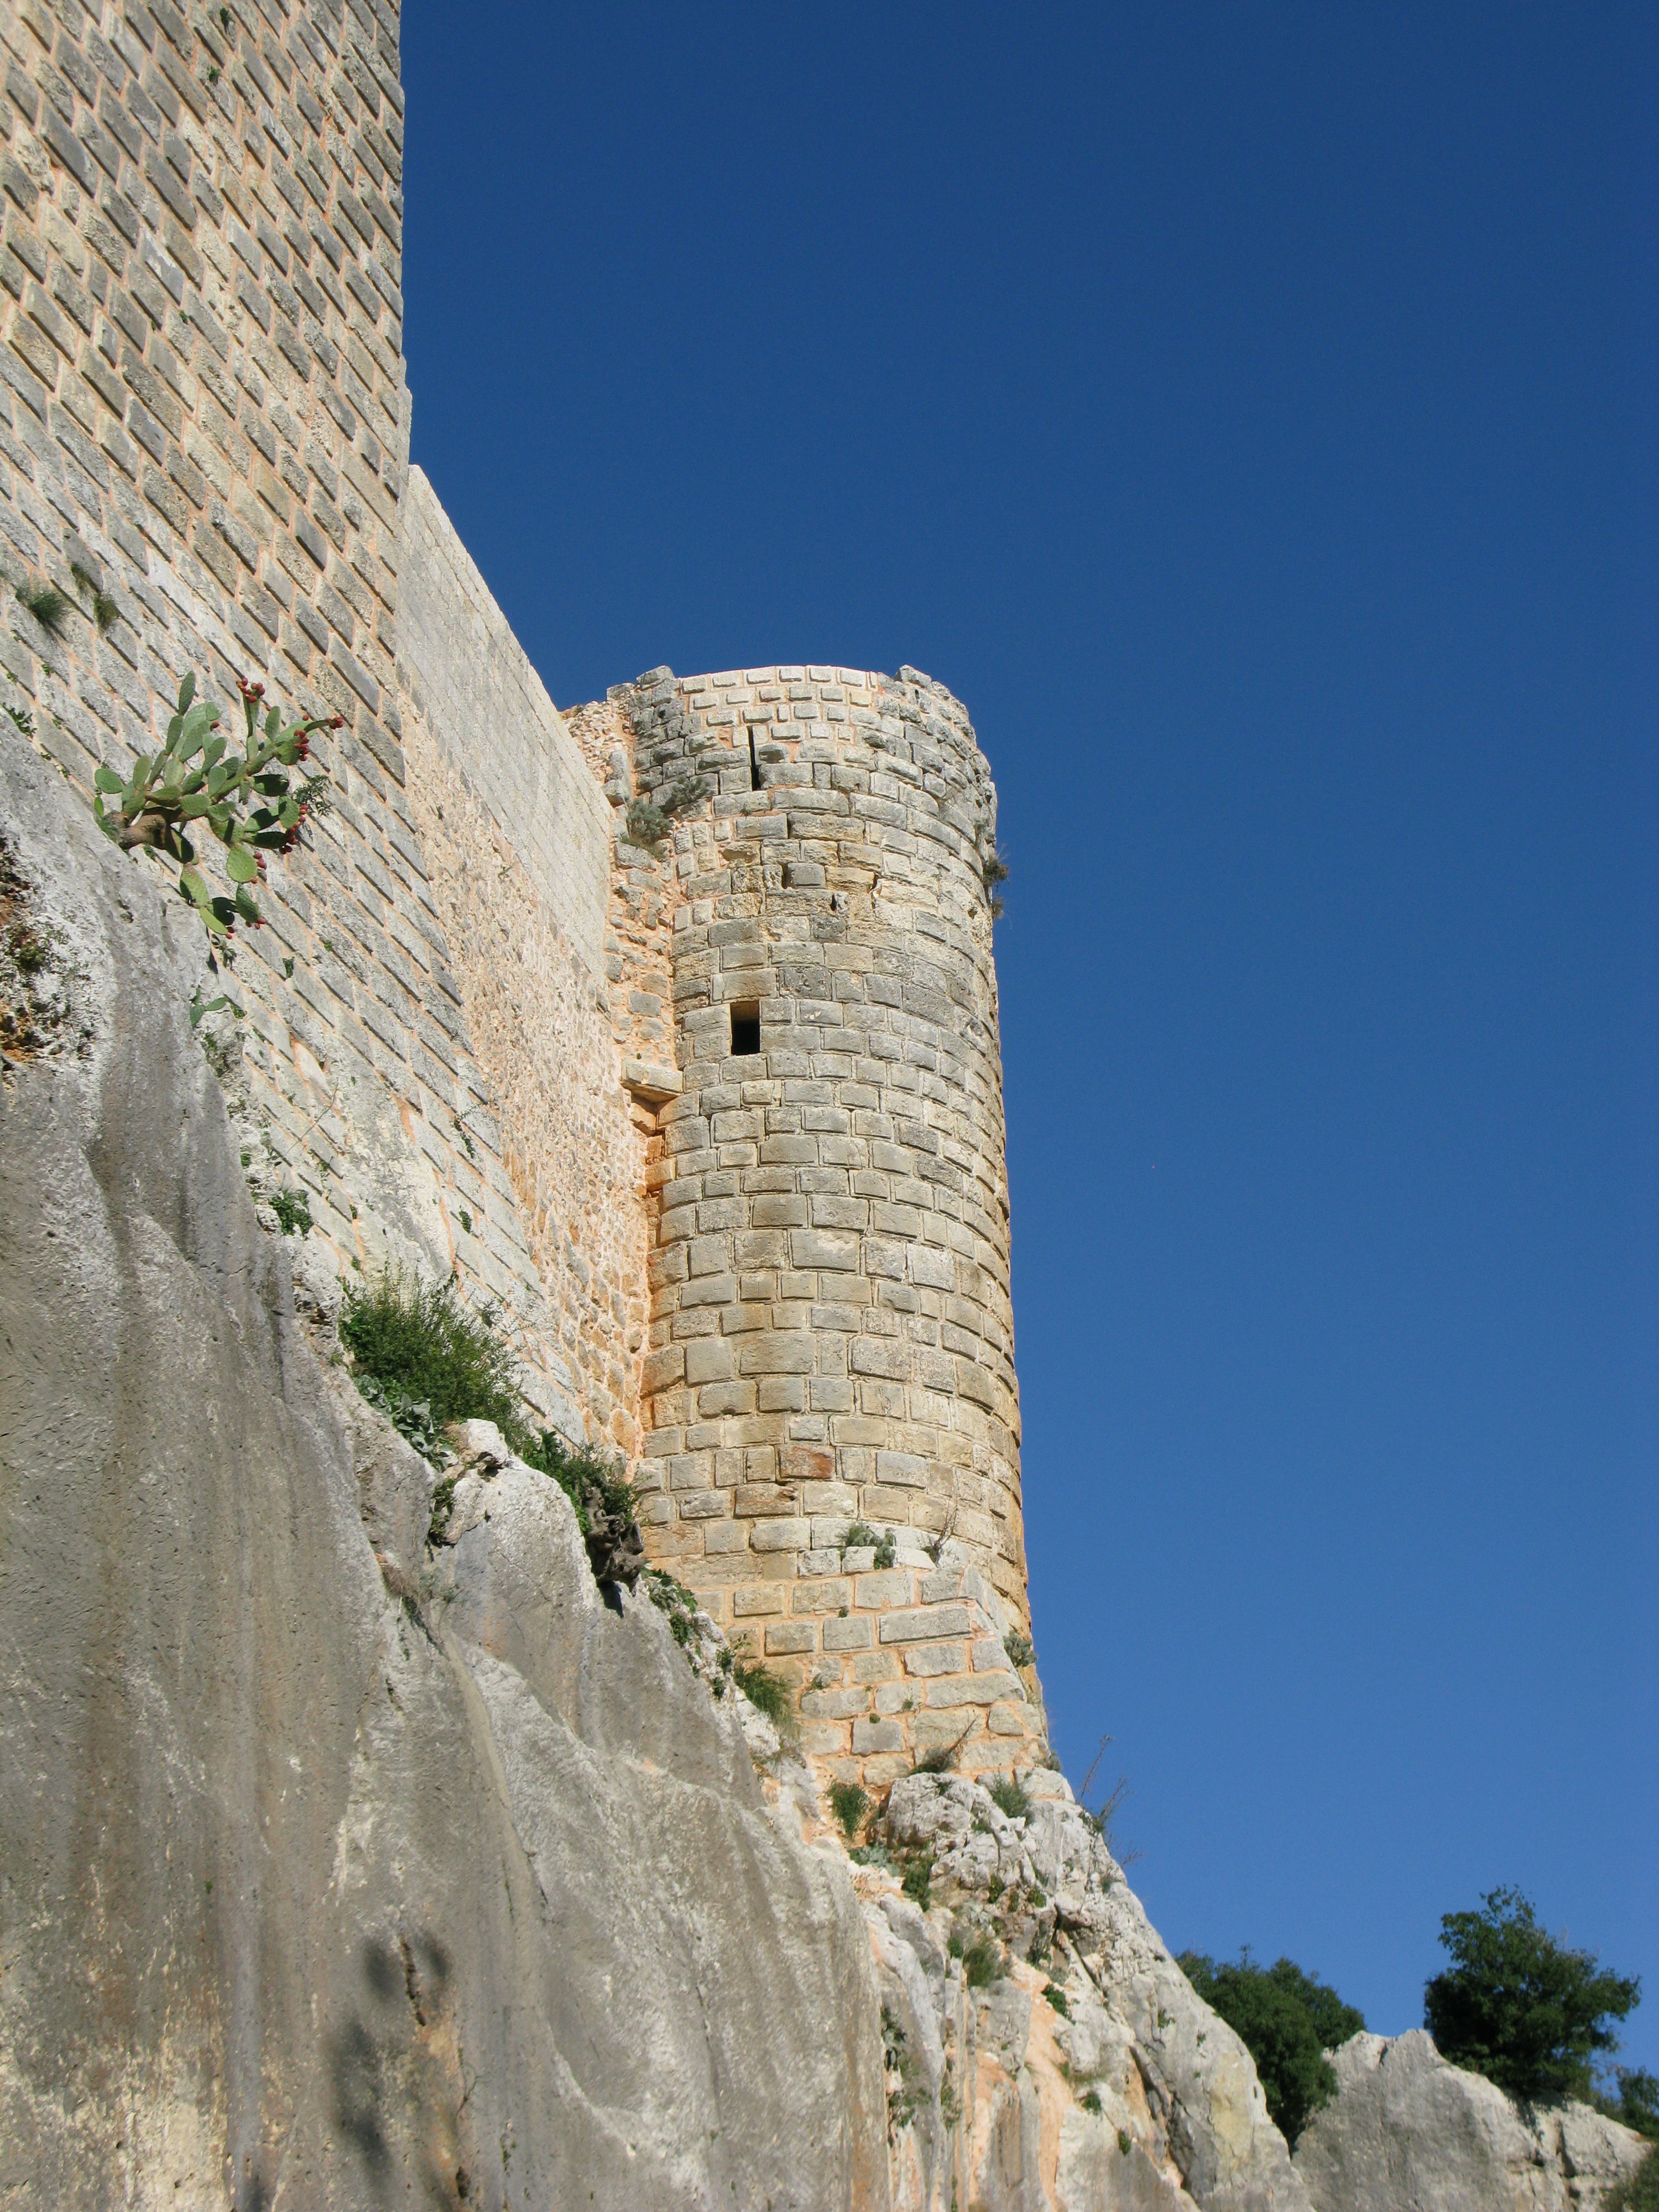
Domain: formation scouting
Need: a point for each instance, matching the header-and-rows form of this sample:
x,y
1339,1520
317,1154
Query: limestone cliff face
x,y
311,1898
1405,2127
337,1869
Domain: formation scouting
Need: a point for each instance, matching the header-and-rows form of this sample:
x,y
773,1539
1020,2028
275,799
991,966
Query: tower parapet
x,y
831,1341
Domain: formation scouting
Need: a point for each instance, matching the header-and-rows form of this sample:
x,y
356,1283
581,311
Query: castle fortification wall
x,y
831,1333
518,842
202,410
486,1030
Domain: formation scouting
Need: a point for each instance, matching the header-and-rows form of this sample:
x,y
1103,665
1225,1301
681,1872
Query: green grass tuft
x,y
1008,1797
981,1963
50,608
768,1693
917,1881
850,1803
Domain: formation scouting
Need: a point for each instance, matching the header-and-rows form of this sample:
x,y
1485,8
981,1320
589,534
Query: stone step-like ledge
x,y
652,1085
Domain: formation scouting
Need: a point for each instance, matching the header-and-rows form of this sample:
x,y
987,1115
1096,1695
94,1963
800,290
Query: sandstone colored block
x,y
753,1499
928,1659
756,1598
833,1705
780,1536
789,1636
877,1736
709,1360
824,1738
973,1690
823,1595
890,1587
926,1623
824,1249
663,1367
704,1505
855,1634
715,1399
766,1354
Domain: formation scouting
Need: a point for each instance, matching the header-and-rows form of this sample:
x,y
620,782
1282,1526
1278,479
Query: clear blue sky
x,y
1249,413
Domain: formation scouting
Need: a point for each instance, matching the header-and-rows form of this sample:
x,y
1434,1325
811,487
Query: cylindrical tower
x,y
832,1341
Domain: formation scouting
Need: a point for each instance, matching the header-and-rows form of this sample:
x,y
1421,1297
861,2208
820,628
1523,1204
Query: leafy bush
x,y
410,1417
1637,2193
1519,2007
593,1481
1008,1797
1056,1996
648,824
420,1343
850,1804
606,1506
1637,2104
1020,1650
886,1551
243,798
292,1210
917,1882
859,1537
1287,2020
419,1356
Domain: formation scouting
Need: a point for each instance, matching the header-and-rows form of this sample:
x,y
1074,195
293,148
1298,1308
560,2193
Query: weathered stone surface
x,y
1135,2096
312,1896
1405,2128
395,1487
819,921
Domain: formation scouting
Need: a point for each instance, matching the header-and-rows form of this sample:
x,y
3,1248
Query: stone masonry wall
x,y
484,1030
201,410
832,1336
517,839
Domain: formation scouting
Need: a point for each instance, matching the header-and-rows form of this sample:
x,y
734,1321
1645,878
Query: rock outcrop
x,y
313,1895
1076,2067
1406,2132
358,1848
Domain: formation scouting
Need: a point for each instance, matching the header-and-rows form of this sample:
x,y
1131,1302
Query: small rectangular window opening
x,y
745,1027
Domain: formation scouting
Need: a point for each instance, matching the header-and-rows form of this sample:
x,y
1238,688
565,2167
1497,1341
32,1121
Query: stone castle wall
x,y
518,840
831,1331
485,1031
203,408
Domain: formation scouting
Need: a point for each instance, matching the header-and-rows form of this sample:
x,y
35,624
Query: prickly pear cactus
x,y
245,799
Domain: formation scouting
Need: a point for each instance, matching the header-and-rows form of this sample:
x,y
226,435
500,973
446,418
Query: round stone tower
x,y
831,1348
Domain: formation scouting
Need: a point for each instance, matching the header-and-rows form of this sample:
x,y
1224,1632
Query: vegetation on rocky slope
x,y
1516,2004
1288,2020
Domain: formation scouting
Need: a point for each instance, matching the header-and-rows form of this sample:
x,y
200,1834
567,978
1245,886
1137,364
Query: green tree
x,y
1287,2021
1518,2006
1637,2103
